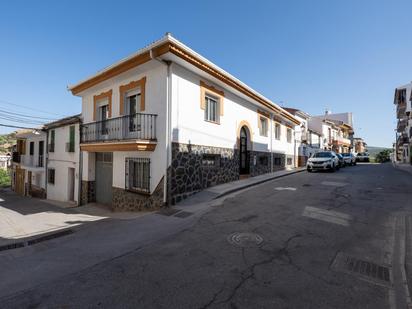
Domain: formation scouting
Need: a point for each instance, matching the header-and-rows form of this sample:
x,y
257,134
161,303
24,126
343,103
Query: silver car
x,y
323,161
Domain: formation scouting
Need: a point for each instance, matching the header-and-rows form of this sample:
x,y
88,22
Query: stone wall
x,y
195,168
124,200
192,169
88,192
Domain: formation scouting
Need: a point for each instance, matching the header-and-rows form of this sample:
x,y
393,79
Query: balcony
x,y
125,130
401,109
339,140
32,161
402,123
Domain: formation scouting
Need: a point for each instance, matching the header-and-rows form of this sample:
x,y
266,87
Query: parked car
x,y
341,160
362,157
323,160
349,158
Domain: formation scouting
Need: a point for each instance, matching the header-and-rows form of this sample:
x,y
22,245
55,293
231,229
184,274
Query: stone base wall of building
x,y
196,167
88,192
124,200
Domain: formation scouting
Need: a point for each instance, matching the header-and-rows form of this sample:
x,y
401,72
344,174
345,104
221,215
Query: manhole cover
x,y
245,239
366,269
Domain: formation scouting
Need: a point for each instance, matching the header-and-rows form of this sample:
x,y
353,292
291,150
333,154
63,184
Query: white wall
x,y
61,161
155,103
30,162
189,126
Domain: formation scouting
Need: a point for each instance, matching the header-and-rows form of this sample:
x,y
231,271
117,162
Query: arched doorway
x,y
243,151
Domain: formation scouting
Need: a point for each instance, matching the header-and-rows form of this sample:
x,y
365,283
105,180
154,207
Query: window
x,y
278,161
212,109
277,131
133,100
289,135
263,127
31,149
138,174
70,144
211,160
41,156
52,140
289,161
51,175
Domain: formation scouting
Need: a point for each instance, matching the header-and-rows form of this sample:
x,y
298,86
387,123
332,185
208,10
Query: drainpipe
x,y
167,186
271,140
46,182
79,183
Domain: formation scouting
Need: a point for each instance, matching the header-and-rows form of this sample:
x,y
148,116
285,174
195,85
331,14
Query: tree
x,y
383,156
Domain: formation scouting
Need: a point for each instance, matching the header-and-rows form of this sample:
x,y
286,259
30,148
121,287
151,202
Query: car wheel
x,y
309,170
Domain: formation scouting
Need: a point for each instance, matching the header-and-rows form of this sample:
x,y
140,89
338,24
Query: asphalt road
x,y
302,229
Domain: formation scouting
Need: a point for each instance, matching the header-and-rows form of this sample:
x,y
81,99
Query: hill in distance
x,y
7,140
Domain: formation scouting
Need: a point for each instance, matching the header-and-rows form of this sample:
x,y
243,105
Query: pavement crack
x,y
215,296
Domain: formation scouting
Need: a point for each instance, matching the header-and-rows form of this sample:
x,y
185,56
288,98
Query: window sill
x,y
141,192
214,122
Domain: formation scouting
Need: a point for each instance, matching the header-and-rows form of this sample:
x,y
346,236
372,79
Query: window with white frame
x,y
138,174
212,109
277,131
289,135
263,127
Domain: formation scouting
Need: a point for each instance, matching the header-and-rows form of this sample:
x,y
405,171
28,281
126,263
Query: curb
x,y
257,183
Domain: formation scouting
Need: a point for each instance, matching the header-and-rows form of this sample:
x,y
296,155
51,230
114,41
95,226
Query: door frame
x,y
244,151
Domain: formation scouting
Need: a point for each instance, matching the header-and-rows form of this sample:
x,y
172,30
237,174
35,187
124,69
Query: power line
x,y
27,107
17,127
24,115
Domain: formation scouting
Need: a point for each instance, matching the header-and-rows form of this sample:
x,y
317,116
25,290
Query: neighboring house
x,y
5,161
28,163
403,101
337,131
359,144
303,137
63,159
165,123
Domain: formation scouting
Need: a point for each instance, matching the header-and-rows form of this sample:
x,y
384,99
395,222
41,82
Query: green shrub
x,y
383,156
4,178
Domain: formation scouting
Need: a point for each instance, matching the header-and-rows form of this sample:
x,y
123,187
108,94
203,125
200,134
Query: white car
x,y
349,158
323,161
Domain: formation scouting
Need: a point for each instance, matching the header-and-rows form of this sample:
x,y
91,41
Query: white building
x,y
28,166
336,129
62,164
5,161
165,123
308,140
403,101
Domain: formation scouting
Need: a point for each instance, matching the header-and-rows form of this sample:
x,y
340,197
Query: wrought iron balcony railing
x,y
136,126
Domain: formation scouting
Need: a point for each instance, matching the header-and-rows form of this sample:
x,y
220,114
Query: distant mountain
x,y
6,141
373,151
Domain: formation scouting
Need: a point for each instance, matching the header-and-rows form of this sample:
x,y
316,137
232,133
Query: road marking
x,y
285,189
334,183
327,215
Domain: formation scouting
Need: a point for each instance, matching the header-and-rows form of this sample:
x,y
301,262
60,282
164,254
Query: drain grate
x,y
372,271
49,237
12,246
183,214
245,239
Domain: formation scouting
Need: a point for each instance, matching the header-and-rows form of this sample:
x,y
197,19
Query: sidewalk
x,y
219,191
403,166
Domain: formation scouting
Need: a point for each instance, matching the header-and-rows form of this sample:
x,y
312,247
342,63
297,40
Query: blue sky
x,y
311,55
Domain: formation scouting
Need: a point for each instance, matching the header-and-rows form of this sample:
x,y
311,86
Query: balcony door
x,y
103,115
133,105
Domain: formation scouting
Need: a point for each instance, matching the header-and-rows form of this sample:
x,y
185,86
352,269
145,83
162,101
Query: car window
x,y
322,155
